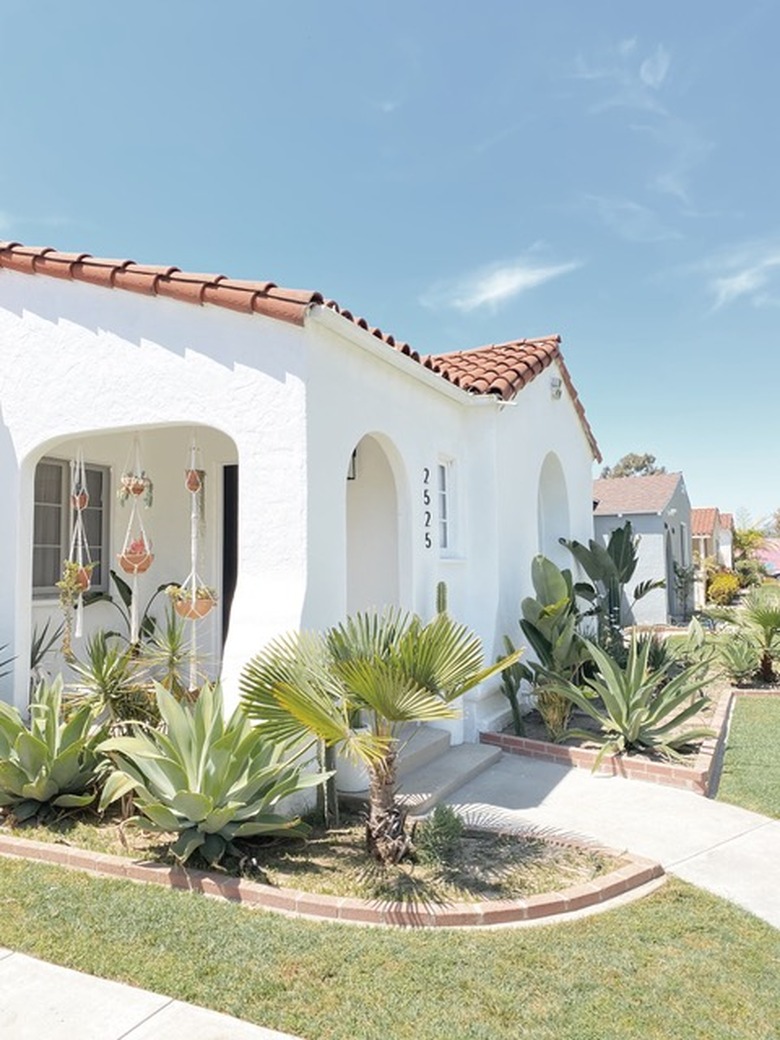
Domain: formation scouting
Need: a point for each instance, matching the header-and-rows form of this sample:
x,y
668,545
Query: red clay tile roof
x,y
704,521
501,370
622,495
727,521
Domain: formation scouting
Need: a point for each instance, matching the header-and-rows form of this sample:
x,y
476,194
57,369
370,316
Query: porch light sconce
x,y
555,388
352,468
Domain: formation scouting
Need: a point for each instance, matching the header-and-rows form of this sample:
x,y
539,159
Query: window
x,y
445,497
53,519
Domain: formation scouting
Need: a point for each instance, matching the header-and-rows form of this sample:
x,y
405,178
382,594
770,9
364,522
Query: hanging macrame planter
x,y
194,600
79,565
136,557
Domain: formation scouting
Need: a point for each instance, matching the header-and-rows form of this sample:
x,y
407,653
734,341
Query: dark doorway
x,y
229,542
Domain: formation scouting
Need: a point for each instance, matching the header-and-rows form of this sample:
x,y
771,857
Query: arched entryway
x,y
553,511
373,572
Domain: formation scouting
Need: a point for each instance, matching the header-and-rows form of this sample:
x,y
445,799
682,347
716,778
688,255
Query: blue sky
x,y
458,174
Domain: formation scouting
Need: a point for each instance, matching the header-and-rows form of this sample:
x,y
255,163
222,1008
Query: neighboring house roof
x,y
624,495
727,521
499,370
704,521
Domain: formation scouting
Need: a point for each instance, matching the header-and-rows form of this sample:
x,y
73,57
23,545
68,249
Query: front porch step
x,y
419,746
423,789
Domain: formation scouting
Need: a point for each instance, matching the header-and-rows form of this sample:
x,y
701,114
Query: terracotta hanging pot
x,y
79,501
134,485
194,610
135,562
83,578
193,480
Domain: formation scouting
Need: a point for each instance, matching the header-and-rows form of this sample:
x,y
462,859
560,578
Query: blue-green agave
x,y
206,779
50,762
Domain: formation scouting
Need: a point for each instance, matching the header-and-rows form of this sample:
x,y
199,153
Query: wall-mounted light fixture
x,y
352,468
556,388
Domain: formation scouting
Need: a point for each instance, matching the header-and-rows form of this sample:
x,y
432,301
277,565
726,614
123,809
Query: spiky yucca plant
x,y
638,709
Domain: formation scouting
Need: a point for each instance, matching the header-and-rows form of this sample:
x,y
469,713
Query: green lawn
x,y
677,964
751,766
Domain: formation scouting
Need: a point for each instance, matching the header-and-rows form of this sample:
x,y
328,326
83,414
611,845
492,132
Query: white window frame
x,y
101,551
446,506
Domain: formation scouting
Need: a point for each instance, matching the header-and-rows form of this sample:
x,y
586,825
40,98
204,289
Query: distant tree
x,y
774,524
633,465
748,540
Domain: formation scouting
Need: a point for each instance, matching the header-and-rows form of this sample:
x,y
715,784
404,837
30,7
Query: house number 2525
x,y
426,497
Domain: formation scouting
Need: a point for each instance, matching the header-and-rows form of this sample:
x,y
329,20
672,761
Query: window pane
x,y
49,482
47,567
47,525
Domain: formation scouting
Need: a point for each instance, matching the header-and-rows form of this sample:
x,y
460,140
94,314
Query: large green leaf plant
x,y
207,779
50,763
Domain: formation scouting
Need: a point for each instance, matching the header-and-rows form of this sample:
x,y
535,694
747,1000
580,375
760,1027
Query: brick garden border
x,y
634,873
699,777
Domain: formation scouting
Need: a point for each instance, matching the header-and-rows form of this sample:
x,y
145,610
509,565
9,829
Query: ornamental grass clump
x,y
638,709
50,763
205,779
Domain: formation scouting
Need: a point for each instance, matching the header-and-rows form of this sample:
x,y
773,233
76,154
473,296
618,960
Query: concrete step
x,y
421,790
419,746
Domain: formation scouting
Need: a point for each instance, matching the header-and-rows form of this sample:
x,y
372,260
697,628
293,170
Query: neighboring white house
x,y
712,537
343,470
660,513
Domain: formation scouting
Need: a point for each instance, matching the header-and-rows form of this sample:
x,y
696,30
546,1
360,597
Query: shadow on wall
x,y
8,520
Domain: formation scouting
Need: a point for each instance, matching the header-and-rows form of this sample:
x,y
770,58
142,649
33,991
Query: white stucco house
x,y
660,513
343,470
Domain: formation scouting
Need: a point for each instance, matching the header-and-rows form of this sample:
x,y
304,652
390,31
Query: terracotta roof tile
x,y
501,370
704,521
727,521
623,495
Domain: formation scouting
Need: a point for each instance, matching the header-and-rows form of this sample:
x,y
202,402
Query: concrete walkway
x,y
721,848
39,1001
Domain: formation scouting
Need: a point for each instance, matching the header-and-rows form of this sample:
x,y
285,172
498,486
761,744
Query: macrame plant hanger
x,y
195,599
136,555
79,554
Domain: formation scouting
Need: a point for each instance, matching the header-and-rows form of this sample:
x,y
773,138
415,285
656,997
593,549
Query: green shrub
x,y
49,763
437,838
205,779
723,588
738,655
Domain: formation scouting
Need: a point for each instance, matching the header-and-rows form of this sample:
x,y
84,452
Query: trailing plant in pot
x,y
192,602
136,485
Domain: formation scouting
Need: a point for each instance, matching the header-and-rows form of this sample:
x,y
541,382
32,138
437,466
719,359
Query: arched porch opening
x,y
553,521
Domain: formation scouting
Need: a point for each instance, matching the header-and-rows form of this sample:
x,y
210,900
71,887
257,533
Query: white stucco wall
x,y
289,405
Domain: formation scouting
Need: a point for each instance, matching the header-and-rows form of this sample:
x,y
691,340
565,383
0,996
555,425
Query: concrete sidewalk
x,y
721,848
39,1001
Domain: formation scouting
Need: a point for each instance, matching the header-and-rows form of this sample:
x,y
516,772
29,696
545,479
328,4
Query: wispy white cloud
x,y
493,285
634,81
685,149
653,70
749,272
631,220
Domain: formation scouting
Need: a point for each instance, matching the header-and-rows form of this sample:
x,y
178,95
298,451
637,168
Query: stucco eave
x,y
362,339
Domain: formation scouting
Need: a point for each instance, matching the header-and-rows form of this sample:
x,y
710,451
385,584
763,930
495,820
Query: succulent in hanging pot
x,y
135,485
136,557
192,602
76,578
193,480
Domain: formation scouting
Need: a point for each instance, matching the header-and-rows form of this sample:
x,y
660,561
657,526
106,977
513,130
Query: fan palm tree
x,y
760,614
356,685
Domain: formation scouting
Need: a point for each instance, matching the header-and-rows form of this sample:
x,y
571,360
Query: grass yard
x,y
751,767
678,964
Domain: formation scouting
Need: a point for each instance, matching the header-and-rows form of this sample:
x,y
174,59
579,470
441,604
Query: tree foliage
x,y
633,465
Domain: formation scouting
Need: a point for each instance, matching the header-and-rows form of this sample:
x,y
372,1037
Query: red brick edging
x,y
697,777
633,874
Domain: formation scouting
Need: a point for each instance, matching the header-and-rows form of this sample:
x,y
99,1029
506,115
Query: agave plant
x,y
389,669
114,681
206,779
49,763
636,708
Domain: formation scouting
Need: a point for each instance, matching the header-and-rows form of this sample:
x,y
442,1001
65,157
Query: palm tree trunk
x,y
386,837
